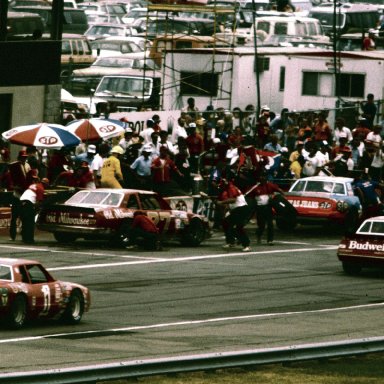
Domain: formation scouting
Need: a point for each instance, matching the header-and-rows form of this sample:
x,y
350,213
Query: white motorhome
x,y
294,78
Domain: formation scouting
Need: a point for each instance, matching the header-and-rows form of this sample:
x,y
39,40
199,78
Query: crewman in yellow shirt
x,y
111,175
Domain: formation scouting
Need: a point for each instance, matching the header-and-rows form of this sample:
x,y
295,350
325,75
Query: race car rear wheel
x,y
18,313
352,269
75,308
195,234
62,237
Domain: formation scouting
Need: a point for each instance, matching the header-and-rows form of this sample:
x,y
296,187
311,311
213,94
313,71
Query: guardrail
x,y
212,361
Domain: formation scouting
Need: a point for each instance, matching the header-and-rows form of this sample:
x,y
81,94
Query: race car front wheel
x,y
18,313
194,235
75,308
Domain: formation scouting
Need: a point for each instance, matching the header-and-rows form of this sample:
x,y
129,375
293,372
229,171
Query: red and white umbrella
x,y
95,129
42,135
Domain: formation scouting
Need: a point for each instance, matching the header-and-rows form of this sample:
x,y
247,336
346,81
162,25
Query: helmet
x,y
117,149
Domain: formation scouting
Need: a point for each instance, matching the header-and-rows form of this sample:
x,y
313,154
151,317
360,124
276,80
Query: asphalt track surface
x,y
186,301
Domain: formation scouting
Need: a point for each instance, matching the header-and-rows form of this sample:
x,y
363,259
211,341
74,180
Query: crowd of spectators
x,y
213,143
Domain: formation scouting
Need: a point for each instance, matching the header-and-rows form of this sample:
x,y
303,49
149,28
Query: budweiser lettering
x,y
367,246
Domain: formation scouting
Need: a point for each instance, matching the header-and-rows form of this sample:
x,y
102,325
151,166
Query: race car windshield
x,y
95,198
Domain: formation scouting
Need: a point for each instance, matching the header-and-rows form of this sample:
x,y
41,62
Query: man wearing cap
x,y
141,168
30,200
339,148
21,176
111,175
88,155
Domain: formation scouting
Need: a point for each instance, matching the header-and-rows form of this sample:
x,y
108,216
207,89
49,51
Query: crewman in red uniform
x,y
236,217
143,227
29,200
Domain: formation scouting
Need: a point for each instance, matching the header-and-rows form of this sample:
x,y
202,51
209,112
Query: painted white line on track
x,y
188,258
48,250
193,322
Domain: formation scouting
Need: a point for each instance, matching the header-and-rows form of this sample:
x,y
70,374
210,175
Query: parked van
x,y
76,53
131,90
23,26
350,17
290,25
75,20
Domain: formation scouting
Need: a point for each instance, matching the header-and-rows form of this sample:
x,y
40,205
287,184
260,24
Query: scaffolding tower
x,y
218,66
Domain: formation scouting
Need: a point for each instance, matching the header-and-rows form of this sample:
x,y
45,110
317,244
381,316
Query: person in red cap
x,y
30,200
343,163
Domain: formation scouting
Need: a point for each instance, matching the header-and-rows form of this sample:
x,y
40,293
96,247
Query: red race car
x,y
108,214
28,291
365,248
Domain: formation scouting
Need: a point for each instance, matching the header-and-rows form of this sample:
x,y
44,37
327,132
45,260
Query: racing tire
x,y
352,269
75,308
18,313
64,238
194,234
351,221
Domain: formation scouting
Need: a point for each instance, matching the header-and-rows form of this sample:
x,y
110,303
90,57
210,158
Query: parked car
x,y
28,291
99,31
23,25
103,7
108,213
297,26
97,18
365,248
350,18
83,80
75,20
119,45
323,199
187,26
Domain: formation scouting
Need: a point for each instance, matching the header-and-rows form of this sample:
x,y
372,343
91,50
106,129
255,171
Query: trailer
x,y
295,78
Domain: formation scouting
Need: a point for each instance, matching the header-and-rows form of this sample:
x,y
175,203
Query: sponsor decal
x,y
107,129
310,204
120,213
366,246
64,218
11,132
48,140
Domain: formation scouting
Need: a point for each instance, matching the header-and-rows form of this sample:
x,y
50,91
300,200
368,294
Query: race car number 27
x,y
157,217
